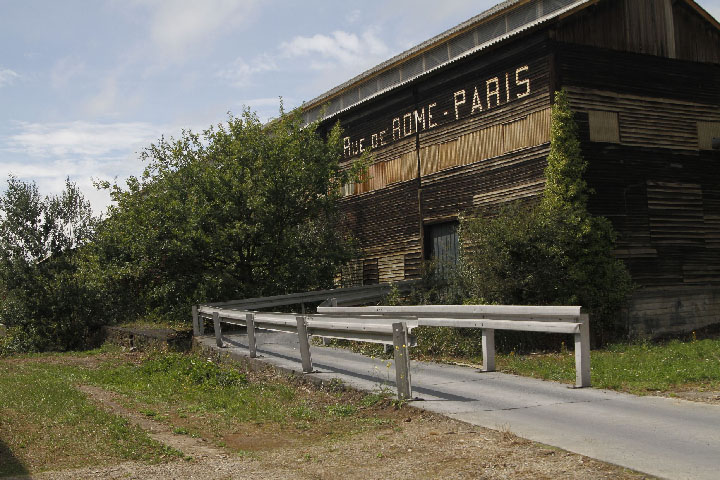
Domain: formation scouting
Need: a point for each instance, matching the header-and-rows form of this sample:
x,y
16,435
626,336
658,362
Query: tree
x,y
241,210
552,253
42,300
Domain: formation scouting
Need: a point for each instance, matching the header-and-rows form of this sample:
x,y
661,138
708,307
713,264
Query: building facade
x,y
462,122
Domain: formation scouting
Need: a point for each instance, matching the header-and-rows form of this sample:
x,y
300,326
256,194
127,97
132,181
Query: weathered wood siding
x,y
386,225
640,75
664,28
474,135
657,181
641,26
696,38
644,79
675,309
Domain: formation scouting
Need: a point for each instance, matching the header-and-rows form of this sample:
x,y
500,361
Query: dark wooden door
x,y
442,245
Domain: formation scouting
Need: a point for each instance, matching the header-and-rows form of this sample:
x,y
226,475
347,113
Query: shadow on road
x,y
10,465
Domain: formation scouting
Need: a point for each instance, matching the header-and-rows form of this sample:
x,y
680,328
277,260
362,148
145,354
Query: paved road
x,y
664,437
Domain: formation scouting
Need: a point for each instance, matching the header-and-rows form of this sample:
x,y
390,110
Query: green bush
x,y
553,252
43,299
241,210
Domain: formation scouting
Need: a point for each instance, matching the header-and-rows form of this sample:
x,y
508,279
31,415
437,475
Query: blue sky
x,y
86,85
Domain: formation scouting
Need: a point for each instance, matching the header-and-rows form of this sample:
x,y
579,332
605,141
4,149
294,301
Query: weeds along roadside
x,y
48,424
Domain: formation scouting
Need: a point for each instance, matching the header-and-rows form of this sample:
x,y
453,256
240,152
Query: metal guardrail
x,y
394,325
365,328
551,319
348,296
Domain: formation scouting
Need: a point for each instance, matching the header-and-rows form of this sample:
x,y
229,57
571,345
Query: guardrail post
x,y
196,327
218,329
488,349
304,344
250,323
402,360
333,303
582,353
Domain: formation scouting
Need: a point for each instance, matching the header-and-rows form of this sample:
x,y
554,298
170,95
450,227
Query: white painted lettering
x,y
407,125
495,92
507,87
476,103
459,100
419,119
396,128
430,122
525,82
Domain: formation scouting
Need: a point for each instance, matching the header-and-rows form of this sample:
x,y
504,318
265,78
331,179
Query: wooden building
x,y
462,122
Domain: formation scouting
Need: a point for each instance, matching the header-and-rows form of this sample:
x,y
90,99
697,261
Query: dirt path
x,y
417,452
158,431
423,446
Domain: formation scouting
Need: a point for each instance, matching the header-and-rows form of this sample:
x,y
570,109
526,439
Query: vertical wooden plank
x,y
582,353
402,361
670,29
304,344
218,329
488,349
252,344
196,325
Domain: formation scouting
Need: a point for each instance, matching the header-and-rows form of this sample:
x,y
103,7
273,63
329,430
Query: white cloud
x,y
339,47
50,177
7,77
81,138
181,25
83,151
240,73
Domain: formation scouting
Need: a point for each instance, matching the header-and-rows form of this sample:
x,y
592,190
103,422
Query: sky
x,y
86,85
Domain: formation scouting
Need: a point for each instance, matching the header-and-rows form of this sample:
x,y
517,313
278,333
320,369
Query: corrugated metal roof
x,y
389,72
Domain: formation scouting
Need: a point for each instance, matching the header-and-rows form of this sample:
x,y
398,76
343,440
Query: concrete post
x,y
218,329
196,326
250,323
488,349
402,361
582,353
304,344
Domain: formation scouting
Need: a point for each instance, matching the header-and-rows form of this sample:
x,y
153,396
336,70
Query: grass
x,y
180,325
639,368
46,423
